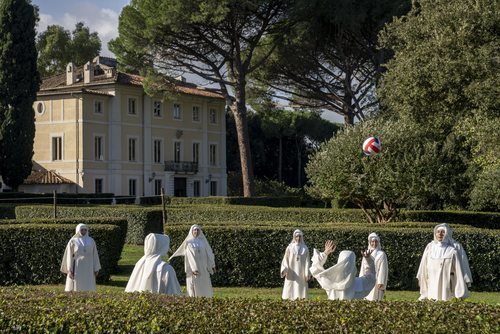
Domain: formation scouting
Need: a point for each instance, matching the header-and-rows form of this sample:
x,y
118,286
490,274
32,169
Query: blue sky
x,y
101,16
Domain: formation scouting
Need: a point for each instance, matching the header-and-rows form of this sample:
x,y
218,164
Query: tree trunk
x,y
280,159
347,107
299,163
239,110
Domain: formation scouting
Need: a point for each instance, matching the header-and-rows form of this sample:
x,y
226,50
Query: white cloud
x,y
102,20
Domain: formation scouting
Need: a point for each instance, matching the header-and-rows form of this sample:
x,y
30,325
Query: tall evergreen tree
x,y
19,83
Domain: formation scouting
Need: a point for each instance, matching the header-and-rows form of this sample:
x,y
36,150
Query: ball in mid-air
x,y
371,146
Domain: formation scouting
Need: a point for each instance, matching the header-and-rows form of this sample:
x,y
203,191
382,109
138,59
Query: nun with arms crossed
x,y
295,268
440,275
199,263
150,272
81,261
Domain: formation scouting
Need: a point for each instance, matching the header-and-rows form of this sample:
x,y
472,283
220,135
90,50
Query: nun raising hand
x,y
199,263
295,268
81,261
340,281
381,267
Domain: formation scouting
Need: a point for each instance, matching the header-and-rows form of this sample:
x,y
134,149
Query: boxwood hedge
x,y
32,311
207,213
141,221
251,256
32,253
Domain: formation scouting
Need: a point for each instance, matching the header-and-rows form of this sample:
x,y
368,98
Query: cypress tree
x,y
19,83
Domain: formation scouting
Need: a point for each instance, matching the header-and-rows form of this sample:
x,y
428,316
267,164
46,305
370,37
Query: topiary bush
x,y
141,221
32,253
34,311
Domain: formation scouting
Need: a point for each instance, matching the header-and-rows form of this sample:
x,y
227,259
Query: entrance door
x,y
180,187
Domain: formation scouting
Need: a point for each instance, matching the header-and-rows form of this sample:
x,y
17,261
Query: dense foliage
x,y
32,311
141,221
32,250
18,87
251,255
57,47
281,142
444,76
412,170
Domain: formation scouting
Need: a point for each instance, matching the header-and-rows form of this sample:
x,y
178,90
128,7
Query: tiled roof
x,y
57,83
46,177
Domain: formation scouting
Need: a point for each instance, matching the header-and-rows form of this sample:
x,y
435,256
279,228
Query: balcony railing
x,y
184,167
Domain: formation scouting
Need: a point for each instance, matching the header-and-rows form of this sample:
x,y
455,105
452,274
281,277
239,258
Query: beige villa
x,y
98,132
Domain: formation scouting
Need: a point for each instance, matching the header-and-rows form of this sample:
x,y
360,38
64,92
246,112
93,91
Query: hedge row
x,y
207,213
251,256
32,311
32,253
141,221
63,198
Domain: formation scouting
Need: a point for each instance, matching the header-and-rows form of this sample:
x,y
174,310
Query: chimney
x,y
88,72
109,72
70,74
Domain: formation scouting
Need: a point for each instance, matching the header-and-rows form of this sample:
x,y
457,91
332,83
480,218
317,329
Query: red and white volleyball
x,y
371,146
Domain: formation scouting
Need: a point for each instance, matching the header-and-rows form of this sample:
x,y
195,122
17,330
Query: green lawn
x,y
132,253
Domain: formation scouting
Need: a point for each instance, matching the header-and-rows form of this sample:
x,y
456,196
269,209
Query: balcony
x,y
181,167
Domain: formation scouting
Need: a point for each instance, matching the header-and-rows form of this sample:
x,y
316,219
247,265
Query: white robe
x,y
295,266
340,281
197,259
81,257
198,256
381,274
440,273
150,272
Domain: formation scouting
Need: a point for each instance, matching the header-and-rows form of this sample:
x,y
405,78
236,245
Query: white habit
x,y
381,268
340,281
440,274
198,257
81,258
295,268
150,272
464,260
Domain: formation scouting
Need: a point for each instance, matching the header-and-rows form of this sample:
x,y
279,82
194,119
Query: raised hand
x,y
330,246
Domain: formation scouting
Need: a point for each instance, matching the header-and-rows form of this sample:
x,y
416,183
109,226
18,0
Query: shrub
x,y
32,253
63,198
7,211
141,221
207,213
251,256
32,311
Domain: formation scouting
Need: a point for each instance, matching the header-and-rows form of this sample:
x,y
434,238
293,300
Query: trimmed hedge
x,y
476,219
63,198
251,256
208,213
32,311
141,221
32,253
282,201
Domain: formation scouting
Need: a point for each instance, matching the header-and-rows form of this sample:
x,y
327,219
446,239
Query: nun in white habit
x,y
150,272
199,263
295,268
81,261
440,275
340,281
381,267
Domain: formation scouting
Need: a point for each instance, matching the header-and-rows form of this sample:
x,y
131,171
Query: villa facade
x,y
97,129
